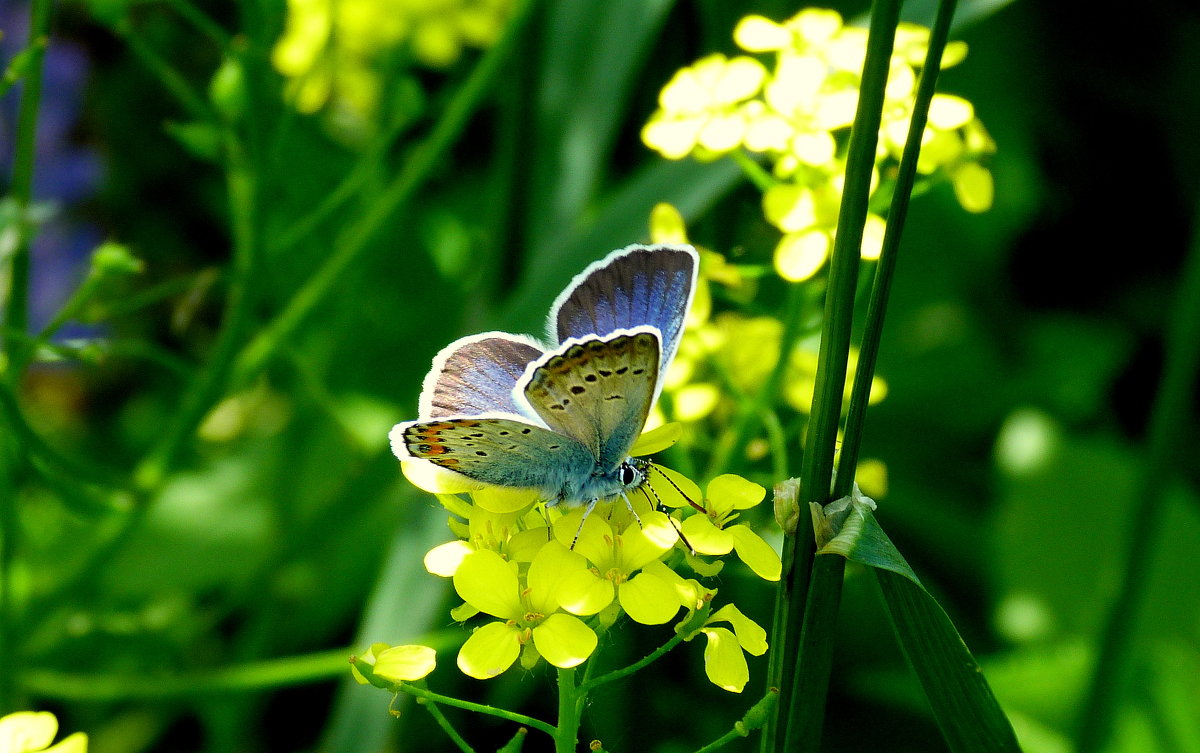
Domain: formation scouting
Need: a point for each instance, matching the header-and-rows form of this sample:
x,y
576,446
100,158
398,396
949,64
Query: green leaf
x,y
862,540
966,711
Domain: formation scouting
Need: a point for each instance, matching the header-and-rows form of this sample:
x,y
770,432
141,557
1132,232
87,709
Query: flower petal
x,y
724,662
430,478
488,583
639,546
672,488
657,440
405,663
740,493
799,255
74,743
751,637
444,559
27,731
755,552
564,641
502,499
648,599
582,592
553,564
490,650
705,537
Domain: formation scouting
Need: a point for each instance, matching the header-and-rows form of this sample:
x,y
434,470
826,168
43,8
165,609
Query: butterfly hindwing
x,y
597,390
635,286
499,450
476,375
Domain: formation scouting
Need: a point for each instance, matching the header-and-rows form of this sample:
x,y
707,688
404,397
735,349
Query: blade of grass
x,y
598,48
804,693
1170,420
886,267
966,711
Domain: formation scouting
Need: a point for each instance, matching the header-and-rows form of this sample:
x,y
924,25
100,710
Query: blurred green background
x,y
204,531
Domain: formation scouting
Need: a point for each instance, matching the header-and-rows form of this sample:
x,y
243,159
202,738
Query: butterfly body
x,y
505,410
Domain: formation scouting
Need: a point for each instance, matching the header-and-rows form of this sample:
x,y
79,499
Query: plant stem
x,y
447,728
16,320
645,661
571,698
803,694
421,164
885,269
1170,420
211,383
17,306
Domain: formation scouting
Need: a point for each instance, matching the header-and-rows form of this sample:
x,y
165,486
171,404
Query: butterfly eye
x,y
627,474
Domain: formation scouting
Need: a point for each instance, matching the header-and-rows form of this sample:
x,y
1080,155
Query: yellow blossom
x,y
33,731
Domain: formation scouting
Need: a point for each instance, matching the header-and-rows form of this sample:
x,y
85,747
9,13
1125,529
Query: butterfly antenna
x,y
586,512
690,501
648,490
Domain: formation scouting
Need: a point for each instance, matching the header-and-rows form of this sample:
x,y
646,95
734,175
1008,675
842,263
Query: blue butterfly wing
x,y
632,287
597,391
476,375
498,449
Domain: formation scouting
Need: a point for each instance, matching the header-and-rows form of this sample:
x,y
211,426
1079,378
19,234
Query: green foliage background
x,y
216,611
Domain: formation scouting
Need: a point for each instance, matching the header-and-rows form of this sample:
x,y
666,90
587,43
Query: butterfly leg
x,y
632,511
586,512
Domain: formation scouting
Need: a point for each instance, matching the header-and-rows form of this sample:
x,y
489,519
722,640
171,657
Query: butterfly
x,y
560,418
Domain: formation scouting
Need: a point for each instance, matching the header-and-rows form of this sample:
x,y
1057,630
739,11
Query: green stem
x,y
358,176
17,306
803,694
211,383
761,179
447,728
478,708
13,355
196,105
645,661
1170,421
571,698
421,165
885,270
202,23
20,63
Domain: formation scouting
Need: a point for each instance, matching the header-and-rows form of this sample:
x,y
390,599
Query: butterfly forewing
x,y
476,375
501,451
598,391
638,285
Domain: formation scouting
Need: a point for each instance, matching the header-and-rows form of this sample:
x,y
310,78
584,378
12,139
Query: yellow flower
x,y
724,660
530,619
715,533
339,51
33,731
392,664
623,566
700,107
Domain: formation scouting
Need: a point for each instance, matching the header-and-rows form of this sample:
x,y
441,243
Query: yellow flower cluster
x,y
549,580
339,50
729,356
797,113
